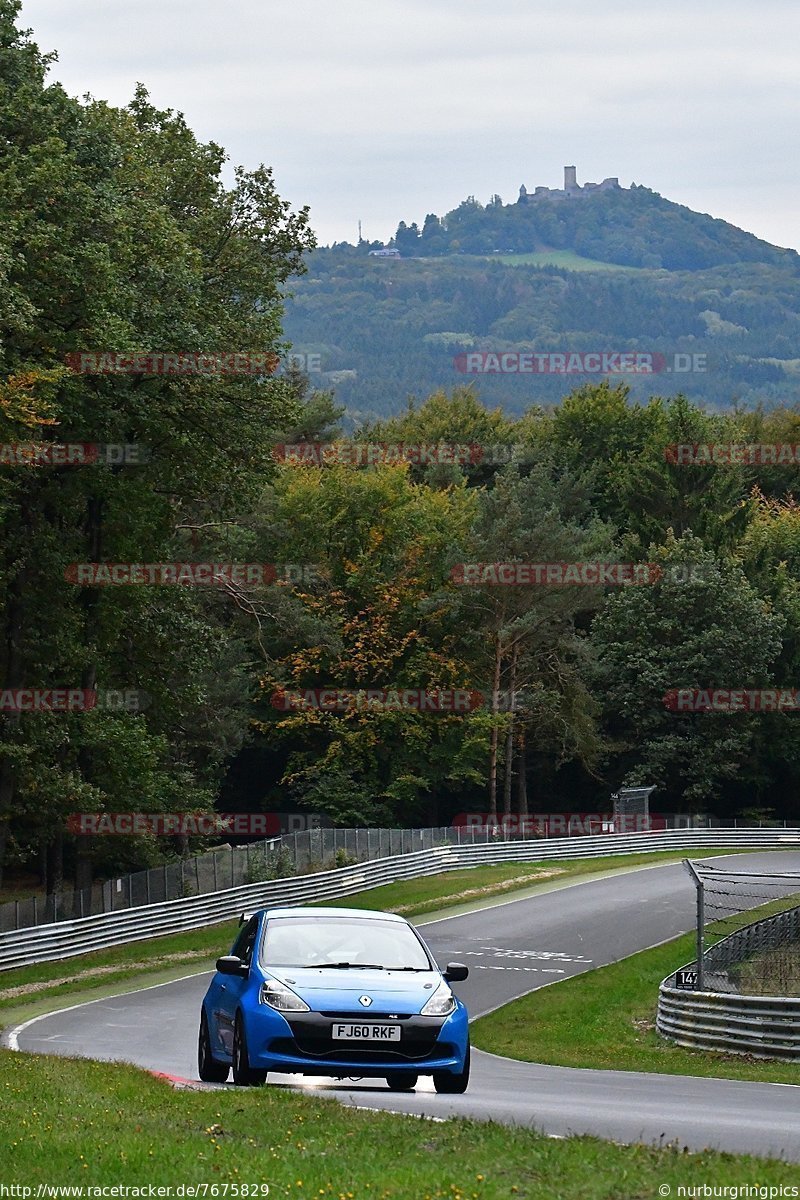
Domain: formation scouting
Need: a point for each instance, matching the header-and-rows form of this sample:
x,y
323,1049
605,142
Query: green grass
x,y
605,1020
89,1124
567,259
28,991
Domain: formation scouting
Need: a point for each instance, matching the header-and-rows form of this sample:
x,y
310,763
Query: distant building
x,y
385,254
571,190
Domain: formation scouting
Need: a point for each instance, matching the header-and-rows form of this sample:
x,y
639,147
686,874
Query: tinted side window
x,y
245,943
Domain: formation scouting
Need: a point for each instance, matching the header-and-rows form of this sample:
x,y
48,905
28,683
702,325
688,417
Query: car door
x,y
229,988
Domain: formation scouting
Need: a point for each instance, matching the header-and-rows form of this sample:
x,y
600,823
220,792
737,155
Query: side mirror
x,y
231,964
455,972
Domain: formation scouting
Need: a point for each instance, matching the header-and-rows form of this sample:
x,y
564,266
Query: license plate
x,y
366,1033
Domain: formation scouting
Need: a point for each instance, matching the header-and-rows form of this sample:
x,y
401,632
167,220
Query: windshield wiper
x,y
424,969
348,966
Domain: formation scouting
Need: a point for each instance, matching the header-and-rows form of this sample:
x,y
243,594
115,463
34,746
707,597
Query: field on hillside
x,y
567,259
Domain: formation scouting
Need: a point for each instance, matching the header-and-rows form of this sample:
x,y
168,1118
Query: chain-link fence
x,y
736,953
275,858
232,866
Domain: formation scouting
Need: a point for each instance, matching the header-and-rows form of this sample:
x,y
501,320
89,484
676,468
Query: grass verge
x,y
95,1124
605,1019
27,991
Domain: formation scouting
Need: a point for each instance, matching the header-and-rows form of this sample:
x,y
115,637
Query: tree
x,y
525,638
378,541
117,234
705,628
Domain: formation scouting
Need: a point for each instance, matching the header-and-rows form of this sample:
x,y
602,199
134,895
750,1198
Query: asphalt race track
x,y
511,948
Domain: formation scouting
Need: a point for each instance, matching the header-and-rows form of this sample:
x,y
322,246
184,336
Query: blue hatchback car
x,y
333,991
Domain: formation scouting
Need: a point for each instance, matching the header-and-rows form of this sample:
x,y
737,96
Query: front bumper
x,y
302,1043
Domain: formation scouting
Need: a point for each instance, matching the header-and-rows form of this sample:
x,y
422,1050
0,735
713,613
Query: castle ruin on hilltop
x,y
571,190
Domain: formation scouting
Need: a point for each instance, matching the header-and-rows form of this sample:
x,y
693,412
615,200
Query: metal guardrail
x,y
65,939
306,852
725,1019
764,1026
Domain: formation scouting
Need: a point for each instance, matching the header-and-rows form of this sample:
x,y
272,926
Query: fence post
x,y
701,921
16,914
197,872
35,910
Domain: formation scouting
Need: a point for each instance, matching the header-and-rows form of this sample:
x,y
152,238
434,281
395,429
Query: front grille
x,y
409,1053
363,1015
312,1038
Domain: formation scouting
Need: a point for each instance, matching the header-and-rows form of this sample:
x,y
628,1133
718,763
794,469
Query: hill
x,y
622,271
632,227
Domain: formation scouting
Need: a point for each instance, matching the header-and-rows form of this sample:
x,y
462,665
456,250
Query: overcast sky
x,y
383,110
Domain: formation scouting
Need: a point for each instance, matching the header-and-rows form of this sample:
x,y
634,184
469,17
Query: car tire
x,y
243,1074
402,1081
209,1070
450,1083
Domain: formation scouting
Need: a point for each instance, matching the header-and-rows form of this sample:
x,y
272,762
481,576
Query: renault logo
x,y
365,1000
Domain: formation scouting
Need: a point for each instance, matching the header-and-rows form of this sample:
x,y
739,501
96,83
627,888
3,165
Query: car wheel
x,y
450,1083
209,1070
243,1074
402,1081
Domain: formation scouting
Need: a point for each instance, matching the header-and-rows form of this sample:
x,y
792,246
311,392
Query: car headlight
x,y
441,1003
277,995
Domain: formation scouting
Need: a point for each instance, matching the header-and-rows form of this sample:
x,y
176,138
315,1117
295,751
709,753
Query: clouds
x,y
388,109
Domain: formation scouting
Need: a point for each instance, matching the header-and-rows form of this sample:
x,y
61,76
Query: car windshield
x,y
342,942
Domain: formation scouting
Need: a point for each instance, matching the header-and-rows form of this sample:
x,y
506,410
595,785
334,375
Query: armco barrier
x,y
46,943
764,1026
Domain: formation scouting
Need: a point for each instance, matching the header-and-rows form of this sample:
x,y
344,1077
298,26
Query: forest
x,y
159,544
